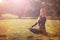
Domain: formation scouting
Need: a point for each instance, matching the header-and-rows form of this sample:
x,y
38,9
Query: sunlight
x,y
1,1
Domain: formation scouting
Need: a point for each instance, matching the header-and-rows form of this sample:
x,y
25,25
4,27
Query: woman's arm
x,y
36,22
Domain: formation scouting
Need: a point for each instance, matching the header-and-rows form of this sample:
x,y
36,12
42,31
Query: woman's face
x,y
43,12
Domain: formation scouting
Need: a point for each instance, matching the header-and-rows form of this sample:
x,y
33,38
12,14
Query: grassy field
x,y
20,27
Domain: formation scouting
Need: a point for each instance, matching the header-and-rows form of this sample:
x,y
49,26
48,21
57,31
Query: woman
x,y
41,21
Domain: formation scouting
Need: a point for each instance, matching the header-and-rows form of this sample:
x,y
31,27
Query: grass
x,y
16,27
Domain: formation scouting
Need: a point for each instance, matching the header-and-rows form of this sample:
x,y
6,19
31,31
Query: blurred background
x,y
16,16
29,8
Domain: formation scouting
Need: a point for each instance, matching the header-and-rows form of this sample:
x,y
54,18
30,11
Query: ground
x,y
19,28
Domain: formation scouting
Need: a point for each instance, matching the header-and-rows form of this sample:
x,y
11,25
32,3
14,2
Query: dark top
x,y
42,21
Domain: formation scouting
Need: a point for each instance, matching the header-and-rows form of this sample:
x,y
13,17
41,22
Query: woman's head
x,y
43,12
